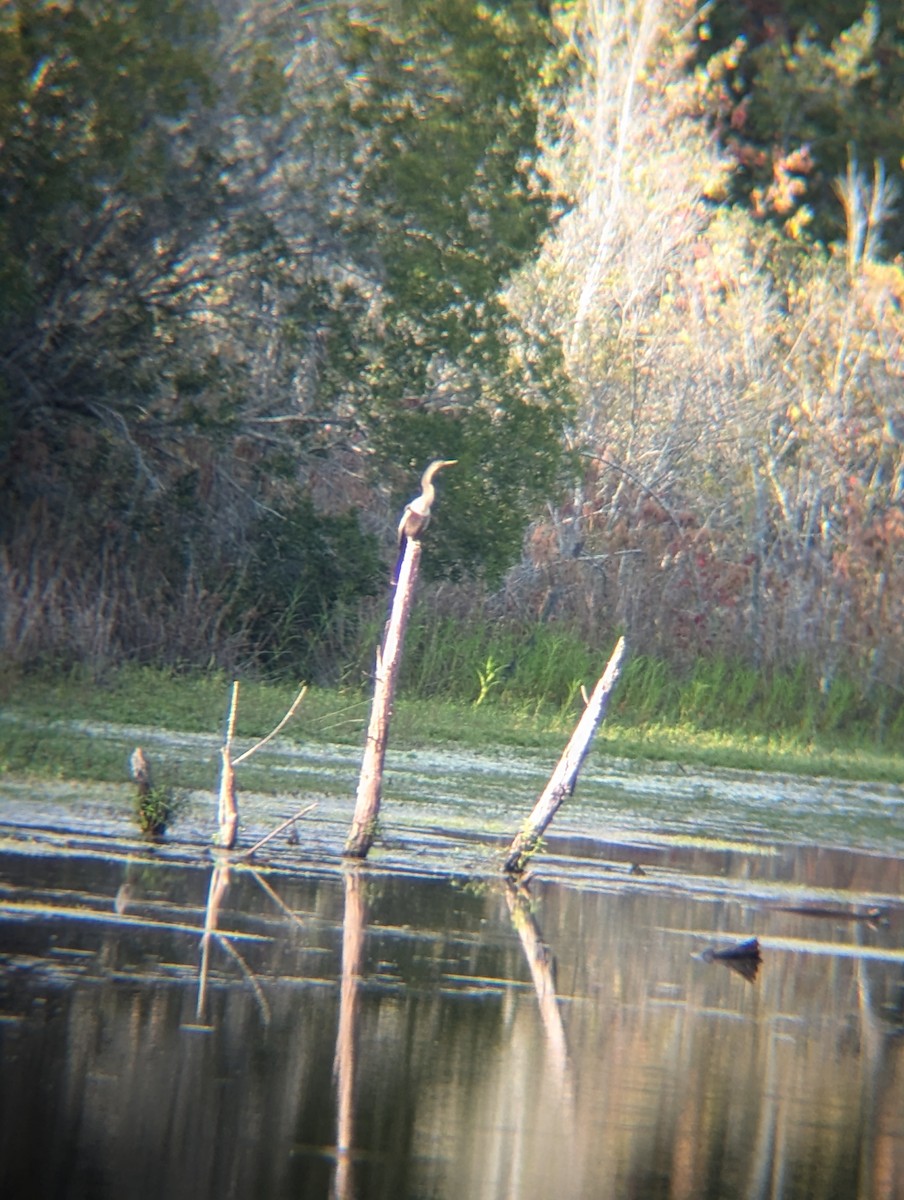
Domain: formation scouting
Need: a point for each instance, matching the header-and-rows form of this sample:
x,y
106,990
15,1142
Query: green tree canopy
x,y
241,251
798,90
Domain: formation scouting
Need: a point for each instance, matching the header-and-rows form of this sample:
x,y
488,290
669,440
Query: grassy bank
x,y
54,726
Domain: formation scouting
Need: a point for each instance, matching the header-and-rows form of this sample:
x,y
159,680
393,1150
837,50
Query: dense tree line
x,y
737,365
633,264
251,263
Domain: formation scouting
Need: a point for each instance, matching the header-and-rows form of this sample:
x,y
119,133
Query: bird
x,y
416,515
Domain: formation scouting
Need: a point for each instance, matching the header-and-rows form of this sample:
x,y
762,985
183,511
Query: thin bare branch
x,y
273,732
302,812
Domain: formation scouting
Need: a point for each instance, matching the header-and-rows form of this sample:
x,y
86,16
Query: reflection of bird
x,y
416,516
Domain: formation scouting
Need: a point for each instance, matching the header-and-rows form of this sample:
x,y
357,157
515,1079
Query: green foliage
x,y
307,568
99,179
737,384
220,269
155,809
796,96
725,695
508,461
445,92
539,668
648,688
240,259
489,677
443,656
36,739
552,666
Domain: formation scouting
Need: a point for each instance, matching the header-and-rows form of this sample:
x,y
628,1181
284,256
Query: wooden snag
x,y
140,770
154,804
564,777
388,660
228,807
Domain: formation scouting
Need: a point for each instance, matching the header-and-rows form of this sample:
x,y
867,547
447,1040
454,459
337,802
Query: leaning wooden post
x,y
564,777
389,658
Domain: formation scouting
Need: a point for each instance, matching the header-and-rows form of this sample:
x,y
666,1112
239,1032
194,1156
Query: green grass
x,y
721,717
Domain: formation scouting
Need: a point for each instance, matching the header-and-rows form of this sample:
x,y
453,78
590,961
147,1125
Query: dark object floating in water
x,y
743,957
871,916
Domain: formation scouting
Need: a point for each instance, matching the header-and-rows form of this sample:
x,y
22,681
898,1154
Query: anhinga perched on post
x,y
388,659
416,516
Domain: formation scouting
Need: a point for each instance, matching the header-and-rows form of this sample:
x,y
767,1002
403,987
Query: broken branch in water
x,y
155,803
278,830
273,732
564,777
140,770
388,660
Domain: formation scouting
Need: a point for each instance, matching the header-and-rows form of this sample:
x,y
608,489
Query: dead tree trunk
x,y
228,808
564,777
389,657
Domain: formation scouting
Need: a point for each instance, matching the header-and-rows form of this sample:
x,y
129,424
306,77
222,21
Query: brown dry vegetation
x,y
739,396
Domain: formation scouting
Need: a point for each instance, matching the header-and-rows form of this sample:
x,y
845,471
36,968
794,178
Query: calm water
x,y
388,1033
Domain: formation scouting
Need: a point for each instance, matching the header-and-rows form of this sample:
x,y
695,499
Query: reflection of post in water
x,y
771,1147
353,927
542,970
882,1055
219,883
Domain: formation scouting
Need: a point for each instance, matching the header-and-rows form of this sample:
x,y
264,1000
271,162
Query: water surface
x,y
175,1025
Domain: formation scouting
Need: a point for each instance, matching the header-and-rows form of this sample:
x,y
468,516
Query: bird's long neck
x,y
416,516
